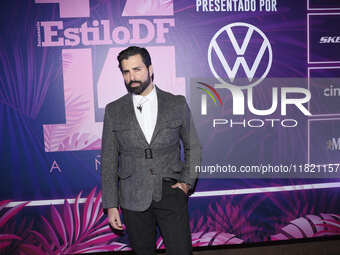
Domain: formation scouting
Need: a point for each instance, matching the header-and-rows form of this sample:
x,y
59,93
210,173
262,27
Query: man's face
x,y
137,76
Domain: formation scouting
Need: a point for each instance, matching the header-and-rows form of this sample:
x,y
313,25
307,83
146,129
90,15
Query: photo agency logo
x,y
240,57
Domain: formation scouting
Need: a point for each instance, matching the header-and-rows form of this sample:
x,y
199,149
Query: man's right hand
x,y
114,218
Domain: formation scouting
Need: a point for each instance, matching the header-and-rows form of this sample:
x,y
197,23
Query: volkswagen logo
x,y
217,47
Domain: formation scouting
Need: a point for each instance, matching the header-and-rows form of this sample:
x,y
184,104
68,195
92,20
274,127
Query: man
x,y
141,138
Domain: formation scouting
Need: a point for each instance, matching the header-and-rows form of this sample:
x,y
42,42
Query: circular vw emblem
x,y
240,48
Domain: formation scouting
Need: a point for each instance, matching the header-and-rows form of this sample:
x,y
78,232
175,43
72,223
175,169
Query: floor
x,y
320,246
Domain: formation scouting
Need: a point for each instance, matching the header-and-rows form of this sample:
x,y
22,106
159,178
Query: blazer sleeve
x,y
109,162
191,146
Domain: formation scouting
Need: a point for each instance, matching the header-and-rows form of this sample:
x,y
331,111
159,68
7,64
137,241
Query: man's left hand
x,y
183,186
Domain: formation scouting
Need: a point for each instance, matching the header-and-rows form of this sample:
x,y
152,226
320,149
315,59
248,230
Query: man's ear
x,y
150,70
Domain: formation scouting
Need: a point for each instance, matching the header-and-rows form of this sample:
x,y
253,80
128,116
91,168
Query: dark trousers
x,y
170,214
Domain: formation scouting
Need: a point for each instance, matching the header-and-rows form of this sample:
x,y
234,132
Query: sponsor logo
x,y
333,144
242,73
330,39
331,91
215,47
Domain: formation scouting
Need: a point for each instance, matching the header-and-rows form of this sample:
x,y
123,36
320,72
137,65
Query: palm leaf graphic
x,y
331,226
15,239
214,238
310,226
78,230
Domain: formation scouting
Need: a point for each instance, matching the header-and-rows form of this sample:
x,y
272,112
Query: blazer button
x,y
151,171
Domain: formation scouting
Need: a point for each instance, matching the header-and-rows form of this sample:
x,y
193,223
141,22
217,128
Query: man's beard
x,y
138,89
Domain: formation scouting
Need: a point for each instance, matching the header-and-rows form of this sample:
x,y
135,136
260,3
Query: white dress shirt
x,y
147,117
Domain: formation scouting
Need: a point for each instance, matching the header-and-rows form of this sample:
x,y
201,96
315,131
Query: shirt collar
x,y
151,96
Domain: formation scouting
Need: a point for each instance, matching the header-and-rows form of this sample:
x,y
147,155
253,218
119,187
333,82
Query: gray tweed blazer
x,y
131,168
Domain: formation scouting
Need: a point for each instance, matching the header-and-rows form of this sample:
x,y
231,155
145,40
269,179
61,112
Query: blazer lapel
x,y
161,114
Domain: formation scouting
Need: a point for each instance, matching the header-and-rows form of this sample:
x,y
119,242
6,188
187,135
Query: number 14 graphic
x,y
81,131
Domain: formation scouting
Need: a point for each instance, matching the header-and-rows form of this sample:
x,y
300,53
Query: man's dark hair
x,y
132,51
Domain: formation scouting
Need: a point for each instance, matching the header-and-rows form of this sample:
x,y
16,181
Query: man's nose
x,y
132,76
